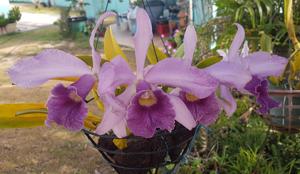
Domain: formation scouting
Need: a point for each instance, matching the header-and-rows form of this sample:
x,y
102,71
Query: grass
x,y
30,8
46,35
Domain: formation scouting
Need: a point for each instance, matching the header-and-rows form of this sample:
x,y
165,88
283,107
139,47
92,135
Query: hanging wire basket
x,y
145,155
285,118
164,150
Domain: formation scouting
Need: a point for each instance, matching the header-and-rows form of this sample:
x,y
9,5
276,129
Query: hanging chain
x,y
101,26
162,40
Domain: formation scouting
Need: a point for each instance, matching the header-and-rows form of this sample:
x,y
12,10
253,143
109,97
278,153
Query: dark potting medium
x,y
143,155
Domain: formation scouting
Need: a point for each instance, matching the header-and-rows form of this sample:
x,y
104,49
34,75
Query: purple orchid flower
x,y
258,86
143,107
258,64
66,105
206,110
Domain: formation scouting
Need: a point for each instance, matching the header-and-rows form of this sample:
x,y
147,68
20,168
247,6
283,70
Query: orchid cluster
x,y
155,96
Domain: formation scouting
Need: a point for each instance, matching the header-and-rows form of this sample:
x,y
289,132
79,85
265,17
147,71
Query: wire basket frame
x,y
143,156
285,118
160,146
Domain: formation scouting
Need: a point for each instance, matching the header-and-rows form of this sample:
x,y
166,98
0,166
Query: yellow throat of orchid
x,y
191,97
147,98
75,97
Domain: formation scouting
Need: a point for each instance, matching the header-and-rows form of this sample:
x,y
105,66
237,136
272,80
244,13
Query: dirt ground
x,y
41,150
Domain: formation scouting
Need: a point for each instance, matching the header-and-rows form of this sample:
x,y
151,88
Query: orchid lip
x,y
147,99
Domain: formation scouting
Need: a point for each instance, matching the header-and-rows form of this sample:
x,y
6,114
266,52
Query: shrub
x,y
14,15
3,21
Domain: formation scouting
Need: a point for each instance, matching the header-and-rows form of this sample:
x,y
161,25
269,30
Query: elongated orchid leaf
x,y
289,22
13,115
111,47
70,79
155,53
294,65
32,115
87,59
209,61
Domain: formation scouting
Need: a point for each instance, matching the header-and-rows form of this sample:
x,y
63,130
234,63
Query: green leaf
x,y
260,11
238,14
252,15
209,61
155,53
180,51
266,43
268,5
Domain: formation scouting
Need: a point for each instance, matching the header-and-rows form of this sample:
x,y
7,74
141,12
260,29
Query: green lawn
x,y
46,35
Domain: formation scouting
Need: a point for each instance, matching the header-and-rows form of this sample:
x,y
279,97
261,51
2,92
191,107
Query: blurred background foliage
x,y
263,21
244,143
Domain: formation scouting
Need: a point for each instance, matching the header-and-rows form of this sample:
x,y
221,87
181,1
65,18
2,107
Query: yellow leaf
x,y
70,79
289,22
120,143
33,115
109,20
209,61
86,58
294,65
111,47
155,53
91,121
8,118
275,80
97,100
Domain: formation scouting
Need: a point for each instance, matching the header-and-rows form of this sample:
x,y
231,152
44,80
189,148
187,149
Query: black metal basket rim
x,y
158,134
165,150
142,168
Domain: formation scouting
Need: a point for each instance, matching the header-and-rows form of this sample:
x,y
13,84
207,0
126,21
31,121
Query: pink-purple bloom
x,y
259,88
258,65
206,109
66,105
146,106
